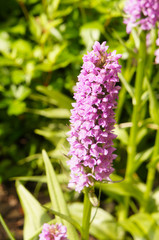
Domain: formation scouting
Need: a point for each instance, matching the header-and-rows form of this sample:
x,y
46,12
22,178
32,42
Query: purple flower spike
x,y
92,120
53,232
144,13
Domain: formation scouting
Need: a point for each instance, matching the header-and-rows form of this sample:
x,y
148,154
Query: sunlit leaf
x,y
35,27
154,106
142,226
62,100
8,232
124,188
128,87
90,32
122,135
16,108
34,215
52,113
56,195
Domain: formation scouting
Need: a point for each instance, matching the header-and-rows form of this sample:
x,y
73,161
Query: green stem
x,y
136,108
24,9
151,173
135,115
122,94
6,228
86,216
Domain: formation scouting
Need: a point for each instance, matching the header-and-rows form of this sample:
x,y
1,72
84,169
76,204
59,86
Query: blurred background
x,y
41,47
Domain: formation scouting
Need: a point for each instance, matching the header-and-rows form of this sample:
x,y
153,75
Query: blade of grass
x,y
67,218
6,228
56,195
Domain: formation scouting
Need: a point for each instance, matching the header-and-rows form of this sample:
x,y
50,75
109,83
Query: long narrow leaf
x,y
67,218
154,106
62,100
62,178
56,196
34,215
126,85
51,113
6,228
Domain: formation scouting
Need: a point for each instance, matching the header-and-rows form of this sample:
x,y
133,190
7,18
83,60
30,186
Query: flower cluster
x,y
92,119
53,232
144,13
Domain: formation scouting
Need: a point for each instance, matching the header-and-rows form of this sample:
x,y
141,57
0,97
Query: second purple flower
x,y
92,120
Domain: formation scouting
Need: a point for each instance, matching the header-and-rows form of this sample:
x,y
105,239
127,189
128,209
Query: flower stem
x,y
86,215
136,108
151,168
24,9
151,173
136,114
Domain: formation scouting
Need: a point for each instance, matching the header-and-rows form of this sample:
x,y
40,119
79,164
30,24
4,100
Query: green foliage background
x,y
41,49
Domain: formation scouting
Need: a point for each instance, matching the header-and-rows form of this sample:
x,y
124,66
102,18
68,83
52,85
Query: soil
x,y
11,212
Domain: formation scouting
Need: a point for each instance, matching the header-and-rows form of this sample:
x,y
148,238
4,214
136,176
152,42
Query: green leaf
x,y
153,106
154,162
19,28
55,52
52,113
142,226
141,157
41,179
7,62
16,108
20,92
4,42
136,38
22,48
65,217
53,136
155,197
53,6
62,178
56,196
62,100
35,28
41,98
6,228
122,134
90,32
18,76
129,51
63,12
34,215
124,188
128,87
103,226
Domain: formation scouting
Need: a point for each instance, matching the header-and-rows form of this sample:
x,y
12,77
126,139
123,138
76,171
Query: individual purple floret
x,y
53,232
92,120
144,13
